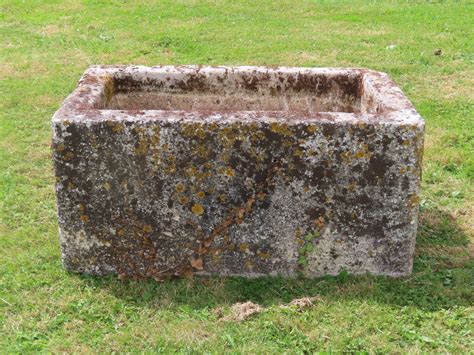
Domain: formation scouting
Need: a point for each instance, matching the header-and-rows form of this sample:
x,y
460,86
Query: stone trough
x,y
248,171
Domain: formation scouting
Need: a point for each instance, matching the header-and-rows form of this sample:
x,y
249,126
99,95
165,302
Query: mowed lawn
x,y
46,45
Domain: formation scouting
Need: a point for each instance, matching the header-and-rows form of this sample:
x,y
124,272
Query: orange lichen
x,y
319,222
201,194
147,228
229,171
197,209
196,263
84,218
180,187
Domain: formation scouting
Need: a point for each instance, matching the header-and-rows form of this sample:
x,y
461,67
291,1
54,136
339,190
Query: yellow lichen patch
x,y
147,228
201,150
229,171
156,130
298,153
244,247
311,128
116,127
263,255
146,142
215,256
346,156
248,264
298,233
68,156
170,169
211,190
363,152
197,209
360,154
107,186
280,128
413,200
120,232
84,218
352,186
194,130
191,171
82,208
142,148
60,147
223,198
71,185
225,156
108,87
183,200
261,195
201,194
180,187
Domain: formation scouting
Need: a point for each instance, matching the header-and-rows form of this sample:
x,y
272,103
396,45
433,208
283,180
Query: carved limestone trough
x,y
247,171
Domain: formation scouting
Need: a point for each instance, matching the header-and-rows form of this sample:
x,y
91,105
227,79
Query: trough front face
x,y
248,171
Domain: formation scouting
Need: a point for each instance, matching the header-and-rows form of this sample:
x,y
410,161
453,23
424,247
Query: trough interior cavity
x,y
230,91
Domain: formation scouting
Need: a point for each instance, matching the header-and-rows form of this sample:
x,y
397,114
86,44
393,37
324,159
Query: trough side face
x,y
159,193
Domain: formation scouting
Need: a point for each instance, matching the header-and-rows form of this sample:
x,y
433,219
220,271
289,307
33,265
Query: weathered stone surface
x,y
237,171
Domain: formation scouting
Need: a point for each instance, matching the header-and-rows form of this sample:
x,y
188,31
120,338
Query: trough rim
x,y
391,105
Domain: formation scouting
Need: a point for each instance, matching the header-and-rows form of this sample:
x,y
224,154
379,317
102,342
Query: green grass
x,y
46,45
